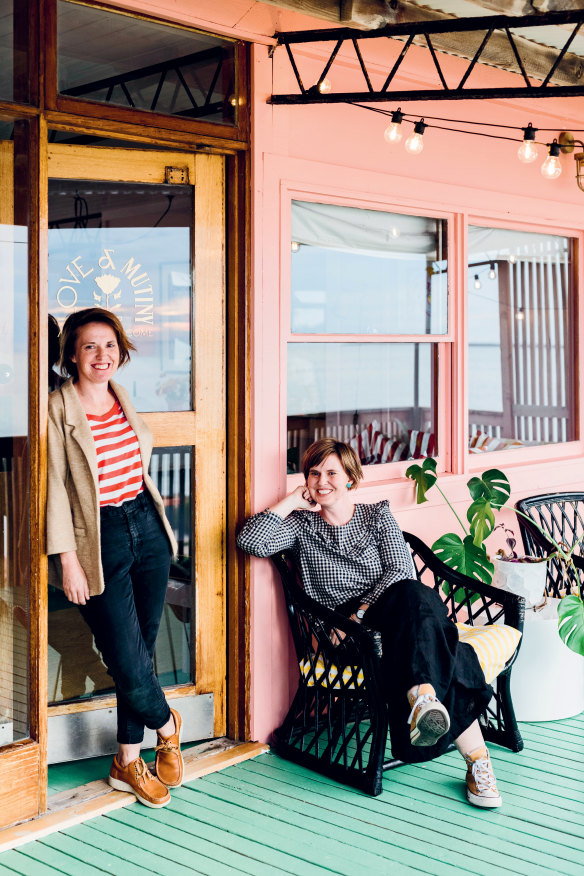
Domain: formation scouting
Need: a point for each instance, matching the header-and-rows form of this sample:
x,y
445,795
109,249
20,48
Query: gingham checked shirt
x,y
360,559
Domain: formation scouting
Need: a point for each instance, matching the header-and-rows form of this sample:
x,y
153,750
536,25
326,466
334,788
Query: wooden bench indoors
x,y
337,723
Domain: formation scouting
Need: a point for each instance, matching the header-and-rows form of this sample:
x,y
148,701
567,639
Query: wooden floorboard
x,y
267,816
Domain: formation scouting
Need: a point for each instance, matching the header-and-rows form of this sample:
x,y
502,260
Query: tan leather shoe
x,y
169,761
138,780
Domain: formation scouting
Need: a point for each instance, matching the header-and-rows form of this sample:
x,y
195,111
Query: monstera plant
x,y
488,493
469,556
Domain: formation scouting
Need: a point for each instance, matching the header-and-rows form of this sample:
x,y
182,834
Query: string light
x,y
394,133
294,246
528,151
492,272
415,142
551,168
477,282
520,314
325,86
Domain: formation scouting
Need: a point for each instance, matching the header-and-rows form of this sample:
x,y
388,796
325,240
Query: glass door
x,y
141,233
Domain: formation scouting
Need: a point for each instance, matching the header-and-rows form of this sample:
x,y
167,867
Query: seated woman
x,y
353,558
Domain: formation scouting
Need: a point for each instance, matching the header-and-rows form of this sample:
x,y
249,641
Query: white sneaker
x,y
481,787
429,719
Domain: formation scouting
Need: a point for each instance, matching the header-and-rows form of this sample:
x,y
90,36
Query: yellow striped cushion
x,y
494,645
332,679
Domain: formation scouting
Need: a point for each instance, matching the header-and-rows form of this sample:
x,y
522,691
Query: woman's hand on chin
x,y
305,502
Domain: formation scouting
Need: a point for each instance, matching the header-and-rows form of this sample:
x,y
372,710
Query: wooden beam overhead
x,y
537,59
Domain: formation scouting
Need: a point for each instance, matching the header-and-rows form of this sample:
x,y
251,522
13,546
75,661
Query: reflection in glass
x,y
116,59
377,397
367,272
520,353
127,247
75,669
14,485
7,51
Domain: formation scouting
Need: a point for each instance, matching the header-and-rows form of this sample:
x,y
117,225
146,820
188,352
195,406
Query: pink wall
x,y
338,152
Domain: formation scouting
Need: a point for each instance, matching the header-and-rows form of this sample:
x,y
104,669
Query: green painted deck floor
x,y
267,816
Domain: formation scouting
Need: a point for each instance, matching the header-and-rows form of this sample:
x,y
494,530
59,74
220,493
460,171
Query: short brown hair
x,y
321,449
70,329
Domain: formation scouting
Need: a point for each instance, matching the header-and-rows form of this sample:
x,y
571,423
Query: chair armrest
x,y
358,643
513,607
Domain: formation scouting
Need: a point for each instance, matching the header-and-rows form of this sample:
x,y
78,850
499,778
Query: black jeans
x,y
124,619
421,645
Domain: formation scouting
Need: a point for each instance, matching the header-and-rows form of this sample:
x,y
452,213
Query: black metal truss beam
x,y
178,66
426,30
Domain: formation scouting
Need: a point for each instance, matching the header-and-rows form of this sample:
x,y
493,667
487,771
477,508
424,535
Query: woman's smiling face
x,y
97,354
327,482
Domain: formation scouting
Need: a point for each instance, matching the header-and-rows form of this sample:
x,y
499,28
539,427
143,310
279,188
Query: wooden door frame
x,y
29,756
203,427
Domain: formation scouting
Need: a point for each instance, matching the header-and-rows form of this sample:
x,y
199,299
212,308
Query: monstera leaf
x,y
493,486
482,520
464,556
571,623
424,476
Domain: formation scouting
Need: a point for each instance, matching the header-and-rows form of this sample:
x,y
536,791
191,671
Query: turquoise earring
x,y
349,485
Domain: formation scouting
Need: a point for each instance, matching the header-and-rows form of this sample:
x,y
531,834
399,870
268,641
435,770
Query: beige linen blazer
x,y
73,520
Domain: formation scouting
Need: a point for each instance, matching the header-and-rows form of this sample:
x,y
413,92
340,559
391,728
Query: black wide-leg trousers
x,y
421,645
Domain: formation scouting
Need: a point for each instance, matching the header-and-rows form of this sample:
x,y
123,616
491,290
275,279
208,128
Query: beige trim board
x,y
97,798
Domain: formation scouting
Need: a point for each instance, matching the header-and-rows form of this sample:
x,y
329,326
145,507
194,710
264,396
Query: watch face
x,y
361,613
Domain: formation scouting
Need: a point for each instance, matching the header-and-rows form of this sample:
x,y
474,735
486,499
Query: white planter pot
x,y
547,679
523,579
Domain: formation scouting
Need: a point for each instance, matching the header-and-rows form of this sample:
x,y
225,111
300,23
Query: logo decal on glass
x,y
129,283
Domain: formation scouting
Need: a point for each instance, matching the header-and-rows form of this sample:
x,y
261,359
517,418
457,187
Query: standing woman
x,y
109,541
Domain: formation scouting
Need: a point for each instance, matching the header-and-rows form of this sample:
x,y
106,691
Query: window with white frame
x,y
369,305
520,339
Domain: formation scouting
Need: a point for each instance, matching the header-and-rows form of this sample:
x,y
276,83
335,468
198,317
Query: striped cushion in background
x,y
494,645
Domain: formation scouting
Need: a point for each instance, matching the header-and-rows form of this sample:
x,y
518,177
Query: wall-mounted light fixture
x,y
567,144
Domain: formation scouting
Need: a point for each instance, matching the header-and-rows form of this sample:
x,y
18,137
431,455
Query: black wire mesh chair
x,y
338,721
561,515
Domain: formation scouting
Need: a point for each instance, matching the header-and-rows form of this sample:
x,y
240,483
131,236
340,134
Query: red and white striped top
x,y
119,464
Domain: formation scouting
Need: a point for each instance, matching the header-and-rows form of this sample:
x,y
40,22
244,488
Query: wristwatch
x,y
360,613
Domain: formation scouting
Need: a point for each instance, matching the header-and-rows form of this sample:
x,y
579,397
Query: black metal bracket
x,y
494,24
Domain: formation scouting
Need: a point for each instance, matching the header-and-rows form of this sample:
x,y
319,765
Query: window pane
x,y
117,59
378,397
521,310
6,51
367,272
14,451
99,257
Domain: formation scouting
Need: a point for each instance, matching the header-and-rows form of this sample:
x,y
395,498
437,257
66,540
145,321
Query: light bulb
x,y
528,151
294,246
492,272
477,282
551,168
325,86
415,142
393,133
520,314
394,231
512,259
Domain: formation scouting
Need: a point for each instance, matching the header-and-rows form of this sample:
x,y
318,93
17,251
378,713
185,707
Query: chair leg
x,y
351,752
506,733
